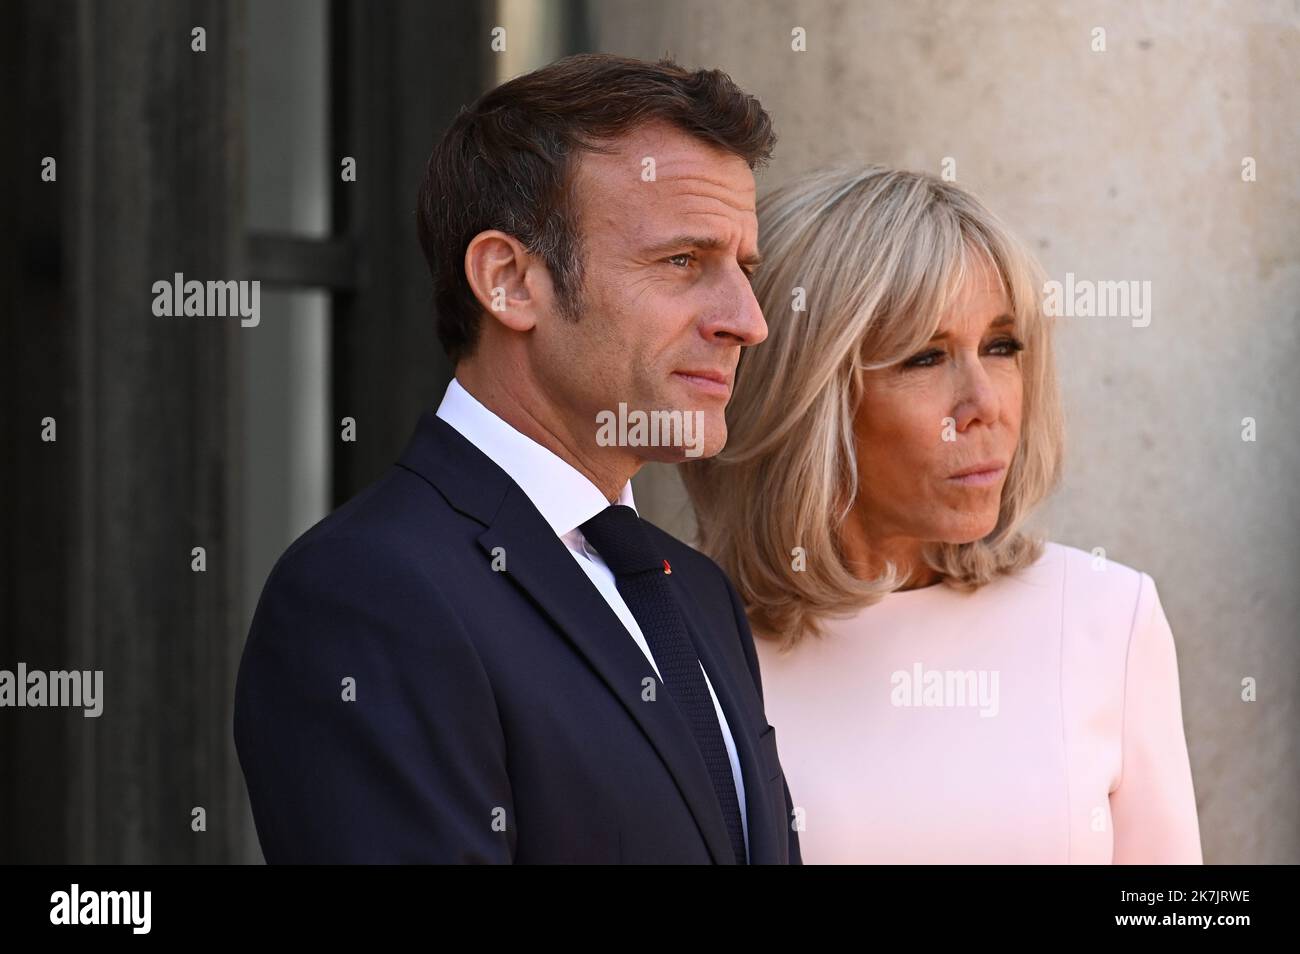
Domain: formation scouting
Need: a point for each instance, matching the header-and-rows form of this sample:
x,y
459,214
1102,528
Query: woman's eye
x,y
1008,346
926,359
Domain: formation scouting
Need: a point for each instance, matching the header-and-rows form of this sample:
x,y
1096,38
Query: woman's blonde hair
x,y
876,256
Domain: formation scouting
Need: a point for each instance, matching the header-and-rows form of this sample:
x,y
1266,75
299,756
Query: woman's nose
x,y
977,396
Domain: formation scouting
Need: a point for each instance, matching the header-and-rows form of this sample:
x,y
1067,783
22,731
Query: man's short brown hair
x,y
504,163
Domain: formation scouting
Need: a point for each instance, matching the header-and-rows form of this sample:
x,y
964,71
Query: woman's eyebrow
x,y
997,322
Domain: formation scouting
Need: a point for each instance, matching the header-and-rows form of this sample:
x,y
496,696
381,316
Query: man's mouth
x,y
706,380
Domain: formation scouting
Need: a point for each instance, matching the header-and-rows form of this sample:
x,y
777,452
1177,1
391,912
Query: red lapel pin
x,y
667,568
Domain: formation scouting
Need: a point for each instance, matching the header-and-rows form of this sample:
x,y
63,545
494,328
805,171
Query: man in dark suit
x,y
487,655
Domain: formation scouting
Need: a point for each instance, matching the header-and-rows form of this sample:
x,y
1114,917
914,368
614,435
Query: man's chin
x,y
708,437
694,447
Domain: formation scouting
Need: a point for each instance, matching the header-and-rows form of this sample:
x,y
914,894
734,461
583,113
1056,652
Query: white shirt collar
x,y
563,495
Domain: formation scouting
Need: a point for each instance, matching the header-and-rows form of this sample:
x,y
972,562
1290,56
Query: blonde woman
x,y
947,688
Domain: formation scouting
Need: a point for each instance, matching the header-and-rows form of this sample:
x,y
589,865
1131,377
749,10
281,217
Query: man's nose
x,y
737,315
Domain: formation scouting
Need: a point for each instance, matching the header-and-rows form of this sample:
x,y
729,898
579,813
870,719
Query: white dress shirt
x,y
566,499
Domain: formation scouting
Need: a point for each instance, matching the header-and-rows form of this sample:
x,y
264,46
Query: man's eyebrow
x,y
997,322
705,243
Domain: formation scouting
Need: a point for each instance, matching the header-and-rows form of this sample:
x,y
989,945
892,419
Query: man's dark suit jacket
x,y
499,715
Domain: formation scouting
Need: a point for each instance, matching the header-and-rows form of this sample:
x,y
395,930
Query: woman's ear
x,y
509,282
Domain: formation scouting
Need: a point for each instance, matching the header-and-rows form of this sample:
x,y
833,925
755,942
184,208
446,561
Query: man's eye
x,y
684,255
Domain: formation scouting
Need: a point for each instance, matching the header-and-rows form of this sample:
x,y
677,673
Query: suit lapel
x,y
539,563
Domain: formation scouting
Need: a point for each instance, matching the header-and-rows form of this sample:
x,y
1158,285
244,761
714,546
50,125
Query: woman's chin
x,y
967,531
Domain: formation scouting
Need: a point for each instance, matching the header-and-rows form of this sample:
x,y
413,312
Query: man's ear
x,y
510,282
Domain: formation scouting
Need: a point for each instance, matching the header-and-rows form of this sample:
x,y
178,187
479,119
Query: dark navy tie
x,y
620,537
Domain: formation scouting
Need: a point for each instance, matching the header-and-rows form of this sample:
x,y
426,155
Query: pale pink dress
x,y
1036,720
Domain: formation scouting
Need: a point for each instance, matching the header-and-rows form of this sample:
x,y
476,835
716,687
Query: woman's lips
x,y
980,478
